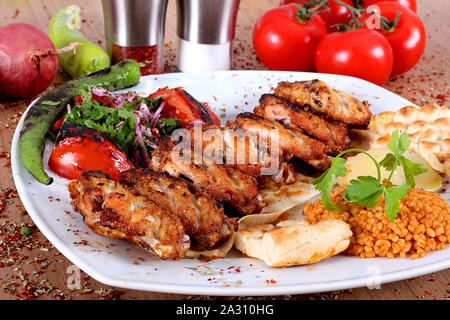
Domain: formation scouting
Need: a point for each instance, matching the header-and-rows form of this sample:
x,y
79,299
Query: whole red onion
x,y
28,63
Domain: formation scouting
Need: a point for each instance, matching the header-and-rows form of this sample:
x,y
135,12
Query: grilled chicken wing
x,y
332,133
237,149
332,104
291,141
221,182
202,217
112,210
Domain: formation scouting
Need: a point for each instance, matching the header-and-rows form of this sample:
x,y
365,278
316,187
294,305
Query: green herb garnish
x,y
367,190
25,231
106,120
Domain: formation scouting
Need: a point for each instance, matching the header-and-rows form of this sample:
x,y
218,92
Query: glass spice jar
x,y
134,29
149,58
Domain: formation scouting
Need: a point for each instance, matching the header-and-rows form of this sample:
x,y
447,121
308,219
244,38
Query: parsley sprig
x,y
367,190
105,120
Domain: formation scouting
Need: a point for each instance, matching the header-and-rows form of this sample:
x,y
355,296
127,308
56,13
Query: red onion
x,y
118,100
157,114
28,61
140,139
130,96
99,91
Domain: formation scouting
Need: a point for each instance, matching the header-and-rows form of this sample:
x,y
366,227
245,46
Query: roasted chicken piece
x,y
242,151
291,141
202,217
332,133
223,183
321,99
115,211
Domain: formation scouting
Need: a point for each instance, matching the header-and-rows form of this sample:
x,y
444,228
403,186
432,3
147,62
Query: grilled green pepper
x,y
88,57
47,108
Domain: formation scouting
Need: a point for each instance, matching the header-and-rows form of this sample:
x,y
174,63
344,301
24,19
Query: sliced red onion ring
x,y
151,144
118,101
99,91
140,139
146,131
120,124
144,111
130,96
157,114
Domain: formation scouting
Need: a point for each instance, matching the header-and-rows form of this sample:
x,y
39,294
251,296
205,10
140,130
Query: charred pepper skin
x,y
41,116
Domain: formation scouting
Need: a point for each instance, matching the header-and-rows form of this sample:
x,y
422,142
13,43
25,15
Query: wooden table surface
x,y
35,269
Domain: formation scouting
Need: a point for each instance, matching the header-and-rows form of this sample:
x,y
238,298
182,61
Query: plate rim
x,y
70,254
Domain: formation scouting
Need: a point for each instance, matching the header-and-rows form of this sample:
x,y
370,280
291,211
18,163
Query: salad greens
x,y
367,190
131,121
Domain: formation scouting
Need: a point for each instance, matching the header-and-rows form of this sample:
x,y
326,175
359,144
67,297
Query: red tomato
x,y
282,42
360,53
181,105
336,15
410,4
58,123
89,151
407,38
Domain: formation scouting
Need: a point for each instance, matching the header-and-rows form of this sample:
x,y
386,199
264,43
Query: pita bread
x,y
282,197
266,218
291,242
428,128
279,198
219,251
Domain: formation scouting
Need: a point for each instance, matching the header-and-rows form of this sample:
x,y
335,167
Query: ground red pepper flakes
x,y
5,196
6,156
148,57
81,243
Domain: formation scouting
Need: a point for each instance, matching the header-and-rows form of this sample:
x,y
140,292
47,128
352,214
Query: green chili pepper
x,y
88,57
46,110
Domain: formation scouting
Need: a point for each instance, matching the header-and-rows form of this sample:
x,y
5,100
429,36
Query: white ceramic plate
x,y
123,264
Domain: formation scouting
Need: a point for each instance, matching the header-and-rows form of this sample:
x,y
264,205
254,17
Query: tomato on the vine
x,y
360,53
284,41
410,4
407,36
337,13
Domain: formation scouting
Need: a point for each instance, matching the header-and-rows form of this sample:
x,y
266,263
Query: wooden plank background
x,y
42,272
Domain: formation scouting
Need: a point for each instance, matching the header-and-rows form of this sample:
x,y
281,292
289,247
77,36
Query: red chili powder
x,y
148,57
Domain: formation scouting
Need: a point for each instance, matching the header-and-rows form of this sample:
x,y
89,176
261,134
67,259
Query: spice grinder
x,y
205,29
135,29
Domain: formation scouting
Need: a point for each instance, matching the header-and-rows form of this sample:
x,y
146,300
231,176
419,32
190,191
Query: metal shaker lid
x,y
134,23
207,21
